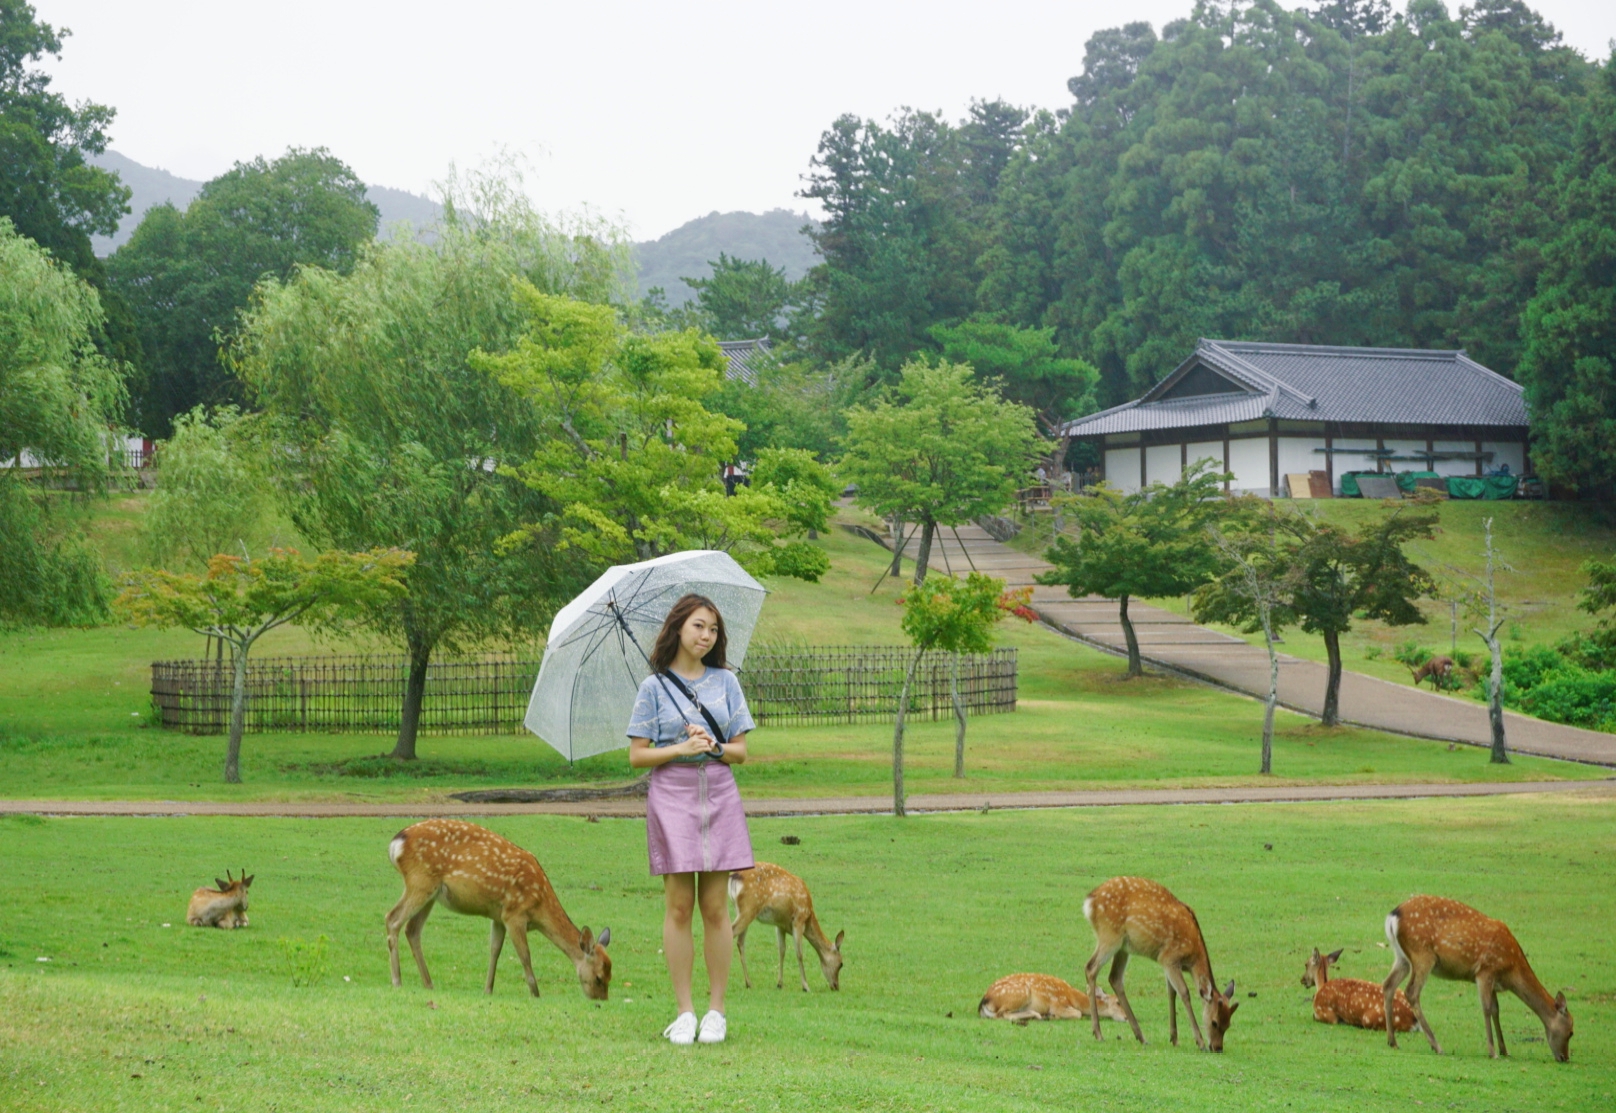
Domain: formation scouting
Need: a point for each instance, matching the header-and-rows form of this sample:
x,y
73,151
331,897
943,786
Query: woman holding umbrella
x,y
688,727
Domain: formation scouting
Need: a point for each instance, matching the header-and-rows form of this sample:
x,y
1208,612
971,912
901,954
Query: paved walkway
x,y
1172,641
841,805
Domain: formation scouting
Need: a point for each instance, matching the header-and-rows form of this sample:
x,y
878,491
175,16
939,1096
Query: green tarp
x,y
1406,479
1484,487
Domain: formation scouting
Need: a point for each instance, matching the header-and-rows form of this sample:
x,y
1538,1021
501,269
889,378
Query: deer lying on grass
x,y
1437,670
1434,935
224,906
1024,997
1351,1000
1131,915
770,895
470,870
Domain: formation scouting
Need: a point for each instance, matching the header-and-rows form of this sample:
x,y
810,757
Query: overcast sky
x,y
650,112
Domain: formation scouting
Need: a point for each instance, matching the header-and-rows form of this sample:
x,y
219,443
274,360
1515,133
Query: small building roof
x,y
1226,381
744,357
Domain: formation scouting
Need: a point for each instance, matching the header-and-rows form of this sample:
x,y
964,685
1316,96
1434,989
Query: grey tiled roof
x,y
744,357
1312,383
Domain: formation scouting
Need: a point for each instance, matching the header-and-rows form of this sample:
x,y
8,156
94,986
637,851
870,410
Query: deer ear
x,y
1560,1003
1230,991
220,885
586,940
246,882
605,937
1335,956
840,935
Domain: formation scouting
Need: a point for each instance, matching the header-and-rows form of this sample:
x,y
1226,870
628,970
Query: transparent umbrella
x,y
596,654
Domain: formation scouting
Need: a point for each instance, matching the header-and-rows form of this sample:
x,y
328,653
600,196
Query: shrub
x,y
800,560
1412,654
1577,696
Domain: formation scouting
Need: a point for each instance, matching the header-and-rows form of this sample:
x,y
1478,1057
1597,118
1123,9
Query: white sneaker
x,y
713,1027
683,1030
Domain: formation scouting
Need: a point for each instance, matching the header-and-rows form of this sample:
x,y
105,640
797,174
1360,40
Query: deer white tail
x,y
735,886
396,847
1392,920
1088,910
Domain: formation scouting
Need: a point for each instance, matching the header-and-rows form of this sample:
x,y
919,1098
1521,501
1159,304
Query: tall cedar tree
x,y
1150,543
940,450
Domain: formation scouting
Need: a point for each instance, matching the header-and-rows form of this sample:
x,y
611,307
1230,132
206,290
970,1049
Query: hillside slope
x,y
687,250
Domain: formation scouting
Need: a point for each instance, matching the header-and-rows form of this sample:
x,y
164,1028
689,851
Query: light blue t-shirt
x,y
663,720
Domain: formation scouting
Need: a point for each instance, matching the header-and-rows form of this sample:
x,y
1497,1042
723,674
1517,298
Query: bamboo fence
x,y
359,695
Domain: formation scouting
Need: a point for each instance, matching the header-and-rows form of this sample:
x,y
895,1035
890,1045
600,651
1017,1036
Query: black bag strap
x,y
718,731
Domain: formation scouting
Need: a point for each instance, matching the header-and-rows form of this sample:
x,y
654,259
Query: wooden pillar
x,y
1380,461
1225,458
1329,461
1526,456
1430,447
1183,457
1273,458
1478,459
1141,460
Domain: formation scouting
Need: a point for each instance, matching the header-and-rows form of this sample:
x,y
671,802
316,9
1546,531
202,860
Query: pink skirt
x,y
694,821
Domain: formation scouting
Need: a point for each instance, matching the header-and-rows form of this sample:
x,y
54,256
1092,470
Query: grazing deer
x,y
1351,1000
1024,997
1435,935
770,895
224,906
1437,670
1131,915
470,870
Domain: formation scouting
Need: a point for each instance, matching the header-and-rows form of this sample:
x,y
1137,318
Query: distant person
x,y
689,726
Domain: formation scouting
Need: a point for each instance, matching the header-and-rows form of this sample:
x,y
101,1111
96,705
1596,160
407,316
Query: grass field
x,y
131,1014
75,723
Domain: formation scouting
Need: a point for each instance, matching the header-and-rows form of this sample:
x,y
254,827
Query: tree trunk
x,y
238,717
1495,702
959,715
1332,686
923,556
1273,698
897,736
409,719
897,548
1135,666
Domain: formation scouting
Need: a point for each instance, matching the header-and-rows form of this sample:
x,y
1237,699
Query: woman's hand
x,y
696,741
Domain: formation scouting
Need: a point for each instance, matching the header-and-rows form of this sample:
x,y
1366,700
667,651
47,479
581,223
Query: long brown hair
x,y
667,640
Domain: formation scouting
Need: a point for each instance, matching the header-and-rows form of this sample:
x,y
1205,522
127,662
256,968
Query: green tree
x,y
1028,364
389,437
941,449
213,495
188,275
1342,576
1252,589
1599,600
952,616
743,299
59,398
793,404
51,194
1150,543
804,485
239,599
1569,361
1485,608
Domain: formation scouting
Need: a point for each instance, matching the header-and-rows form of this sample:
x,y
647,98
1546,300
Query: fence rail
x,y
811,684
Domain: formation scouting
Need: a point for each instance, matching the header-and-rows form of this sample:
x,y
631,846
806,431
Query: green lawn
x,y
75,723
129,1013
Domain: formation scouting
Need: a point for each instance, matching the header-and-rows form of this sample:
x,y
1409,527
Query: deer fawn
x,y
770,895
224,906
1436,670
473,871
1024,997
1434,935
1351,1000
1131,915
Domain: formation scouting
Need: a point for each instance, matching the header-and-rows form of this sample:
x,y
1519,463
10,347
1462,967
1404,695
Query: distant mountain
x,y
687,250
149,186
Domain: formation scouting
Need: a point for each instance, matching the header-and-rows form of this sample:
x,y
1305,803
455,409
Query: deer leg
x,y
519,941
780,946
496,941
796,931
1416,985
1489,1016
1172,1014
412,932
737,928
1400,970
1091,971
1175,984
400,914
1119,966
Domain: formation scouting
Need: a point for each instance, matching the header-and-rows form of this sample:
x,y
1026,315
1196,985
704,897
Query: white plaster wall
x,y
1296,455
1162,463
1122,468
1248,460
1211,450
1455,467
1405,448
1504,452
1352,461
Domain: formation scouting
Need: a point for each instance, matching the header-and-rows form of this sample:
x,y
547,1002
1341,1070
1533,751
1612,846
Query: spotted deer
x,y
1351,1000
1435,935
1024,997
224,906
1135,916
771,895
470,870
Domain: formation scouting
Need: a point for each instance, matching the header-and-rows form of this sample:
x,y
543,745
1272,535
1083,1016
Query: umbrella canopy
x,y
596,655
